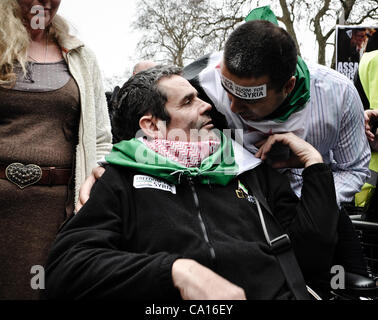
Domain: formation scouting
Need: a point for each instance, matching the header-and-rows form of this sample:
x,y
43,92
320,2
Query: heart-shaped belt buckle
x,y
23,176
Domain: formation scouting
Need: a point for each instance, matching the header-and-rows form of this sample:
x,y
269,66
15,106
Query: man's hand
x,y
196,282
86,187
371,122
302,154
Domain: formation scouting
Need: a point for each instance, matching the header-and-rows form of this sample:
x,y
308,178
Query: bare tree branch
x,y
181,31
185,29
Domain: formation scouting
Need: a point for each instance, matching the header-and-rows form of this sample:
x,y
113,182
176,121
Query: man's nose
x,y
204,106
236,106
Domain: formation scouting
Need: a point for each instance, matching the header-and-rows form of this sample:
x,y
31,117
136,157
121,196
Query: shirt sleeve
x,y
352,152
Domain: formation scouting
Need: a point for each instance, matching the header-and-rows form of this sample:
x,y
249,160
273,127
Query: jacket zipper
x,y
201,221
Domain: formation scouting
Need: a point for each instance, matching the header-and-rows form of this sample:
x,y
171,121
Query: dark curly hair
x,y
138,96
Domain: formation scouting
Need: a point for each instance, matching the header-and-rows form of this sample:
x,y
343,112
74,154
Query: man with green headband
x,y
184,212
259,86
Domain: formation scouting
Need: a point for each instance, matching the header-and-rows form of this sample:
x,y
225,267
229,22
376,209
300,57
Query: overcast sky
x,y
105,27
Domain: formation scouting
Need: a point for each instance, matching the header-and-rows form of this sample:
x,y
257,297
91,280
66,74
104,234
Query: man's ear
x,y
148,124
289,86
151,126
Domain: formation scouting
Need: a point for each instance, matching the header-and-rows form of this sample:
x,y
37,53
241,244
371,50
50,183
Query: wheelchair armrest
x,y
355,286
365,225
359,284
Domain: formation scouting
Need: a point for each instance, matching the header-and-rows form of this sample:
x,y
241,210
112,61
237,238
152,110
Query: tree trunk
x,y
289,24
322,51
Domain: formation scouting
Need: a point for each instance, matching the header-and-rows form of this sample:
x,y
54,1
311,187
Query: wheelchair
x,y
356,287
367,233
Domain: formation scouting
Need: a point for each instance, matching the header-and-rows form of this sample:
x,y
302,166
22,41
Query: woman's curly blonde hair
x,y
15,39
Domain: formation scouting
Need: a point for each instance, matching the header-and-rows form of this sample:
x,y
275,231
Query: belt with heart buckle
x,y
27,175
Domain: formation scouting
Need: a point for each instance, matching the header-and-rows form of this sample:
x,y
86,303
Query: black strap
x,y
281,245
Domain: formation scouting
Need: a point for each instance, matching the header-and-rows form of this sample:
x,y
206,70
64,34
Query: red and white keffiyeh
x,y
189,154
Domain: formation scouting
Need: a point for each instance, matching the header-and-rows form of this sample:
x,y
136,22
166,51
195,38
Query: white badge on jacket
x,y
142,182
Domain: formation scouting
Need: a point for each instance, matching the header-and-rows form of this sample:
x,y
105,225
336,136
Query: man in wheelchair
x,y
184,212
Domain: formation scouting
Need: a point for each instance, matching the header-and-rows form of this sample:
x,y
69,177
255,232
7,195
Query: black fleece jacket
x,y
123,242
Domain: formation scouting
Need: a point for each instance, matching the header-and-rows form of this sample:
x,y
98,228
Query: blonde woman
x,y
54,127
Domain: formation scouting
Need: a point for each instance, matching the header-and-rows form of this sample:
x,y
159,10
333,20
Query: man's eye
x,y
188,101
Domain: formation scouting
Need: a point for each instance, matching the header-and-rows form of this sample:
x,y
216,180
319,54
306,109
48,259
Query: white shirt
x,y
333,124
336,128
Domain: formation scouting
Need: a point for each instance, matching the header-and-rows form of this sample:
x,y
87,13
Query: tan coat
x,y
95,138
